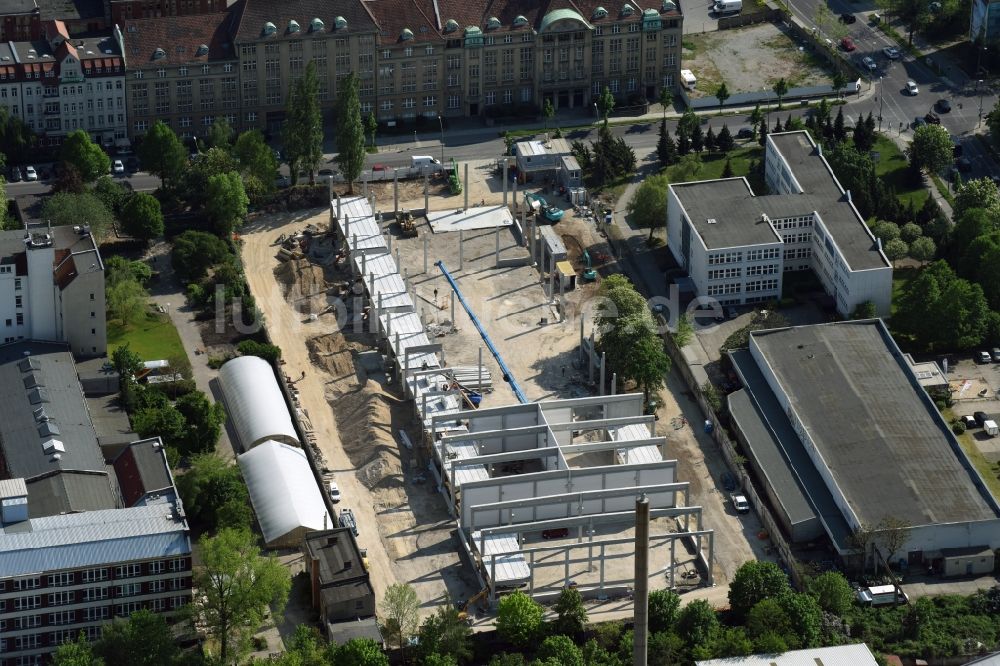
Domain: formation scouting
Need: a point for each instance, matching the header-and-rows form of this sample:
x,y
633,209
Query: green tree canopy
x,y
76,653
832,592
924,249
663,608
303,131
400,613
257,162
350,131
144,639
195,252
111,193
896,249
445,633
561,650
697,622
648,206
88,158
605,104
214,493
226,203
977,193
236,588
126,301
204,419
220,134
931,148
65,209
941,311
519,619
571,616
619,299
360,652
755,581
161,153
141,216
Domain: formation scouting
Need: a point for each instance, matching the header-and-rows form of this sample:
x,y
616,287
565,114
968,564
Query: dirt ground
x,y
748,59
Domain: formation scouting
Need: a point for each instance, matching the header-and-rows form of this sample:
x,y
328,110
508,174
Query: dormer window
x,y
316,25
159,53
628,10
202,50
451,25
293,26
520,20
269,29
406,35
493,23
600,12
340,23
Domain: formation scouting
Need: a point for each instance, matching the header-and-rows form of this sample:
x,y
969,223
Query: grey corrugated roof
x,y
64,492
884,442
66,407
333,548
92,538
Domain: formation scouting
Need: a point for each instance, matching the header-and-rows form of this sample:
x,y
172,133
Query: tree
x,y
257,162
862,136
666,99
445,633
697,139
666,151
400,610
755,581
571,616
727,169
350,132
832,592
236,587
780,89
548,112
65,209
910,232
724,141
777,124
214,493
666,648
204,422
111,193
359,652
865,310
126,301
519,619
939,310
220,134
141,216
923,249
710,140
730,642
302,134
839,129
931,148
722,94
561,650
76,653
839,80
161,153
371,126
619,298
697,622
648,205
891,534
194,252
144,639
606,104
762,134
769,616
895,249
226,203
978,193
886,231
805,615
663,607
88,158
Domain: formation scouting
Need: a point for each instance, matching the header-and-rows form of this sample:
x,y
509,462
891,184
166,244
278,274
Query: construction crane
x,y
552,213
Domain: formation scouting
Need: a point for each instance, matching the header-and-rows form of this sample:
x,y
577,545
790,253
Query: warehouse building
x,y
736,245
342,592
842,436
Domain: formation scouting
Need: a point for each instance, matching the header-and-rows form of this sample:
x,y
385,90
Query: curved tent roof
x,y
255,402
284,493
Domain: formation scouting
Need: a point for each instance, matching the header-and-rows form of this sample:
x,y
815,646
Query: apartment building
x,y
52,288
20,20
737,246
125,10
182,70
57,85
86,534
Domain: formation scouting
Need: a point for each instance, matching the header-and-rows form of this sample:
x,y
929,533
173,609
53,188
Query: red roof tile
x,y
179,37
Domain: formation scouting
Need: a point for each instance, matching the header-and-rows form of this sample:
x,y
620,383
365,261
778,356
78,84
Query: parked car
x,y
983,357
15,175
556,533
911,88
891,52
347,520
943,105
963,164
728,482
132,164
847,44
334,491
869,63
848,18
117,168
932,118
325,172
740,503
918,122
969,422
30,173
995,353
981,417
744,133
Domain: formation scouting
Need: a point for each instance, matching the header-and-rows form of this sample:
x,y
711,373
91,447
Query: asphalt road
x,y
140,181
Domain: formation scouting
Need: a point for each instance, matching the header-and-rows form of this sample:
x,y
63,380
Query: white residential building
x,y
736,245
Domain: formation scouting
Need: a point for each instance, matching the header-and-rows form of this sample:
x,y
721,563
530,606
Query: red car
x,y
379,167
847,44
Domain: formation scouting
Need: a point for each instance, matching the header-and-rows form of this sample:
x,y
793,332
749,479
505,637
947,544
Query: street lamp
x,y
441,125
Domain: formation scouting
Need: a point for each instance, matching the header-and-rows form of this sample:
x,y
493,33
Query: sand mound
x,y
335,354
300,278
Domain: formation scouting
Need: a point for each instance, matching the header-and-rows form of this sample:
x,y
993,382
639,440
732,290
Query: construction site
x,y
443,365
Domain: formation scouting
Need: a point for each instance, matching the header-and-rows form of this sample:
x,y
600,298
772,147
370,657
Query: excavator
x,y
463,611
551,213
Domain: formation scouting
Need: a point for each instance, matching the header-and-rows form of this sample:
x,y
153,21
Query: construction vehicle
x,y
589,274
536,202
364,559
463,611
407,227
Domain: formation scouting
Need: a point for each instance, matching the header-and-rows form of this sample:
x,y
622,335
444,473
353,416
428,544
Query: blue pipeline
x,y
508,376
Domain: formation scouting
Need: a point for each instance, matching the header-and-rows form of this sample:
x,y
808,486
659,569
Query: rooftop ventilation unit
x,y
38,395
712,220
29,364
31,380
53,446
48,429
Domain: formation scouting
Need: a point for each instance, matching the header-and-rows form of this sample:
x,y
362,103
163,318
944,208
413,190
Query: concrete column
x,y
514,194
388,329
378,313
426,195
711,558
505,182
329,183
347,229
602,560
673,563
365,182
425,253
403,366
552,277
338,206
480,371
388,242
465,186
395,192
603,359
641,607
566,568
590,365
582,317
364,264
461,250
496,252
453,324
614,383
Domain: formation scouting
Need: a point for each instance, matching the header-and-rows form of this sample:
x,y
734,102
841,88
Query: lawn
x,y
153,338
900,276
892,169
712,165
989,471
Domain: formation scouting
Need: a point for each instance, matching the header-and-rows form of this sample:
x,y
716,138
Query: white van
x,y
882,595
689,79
424,162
